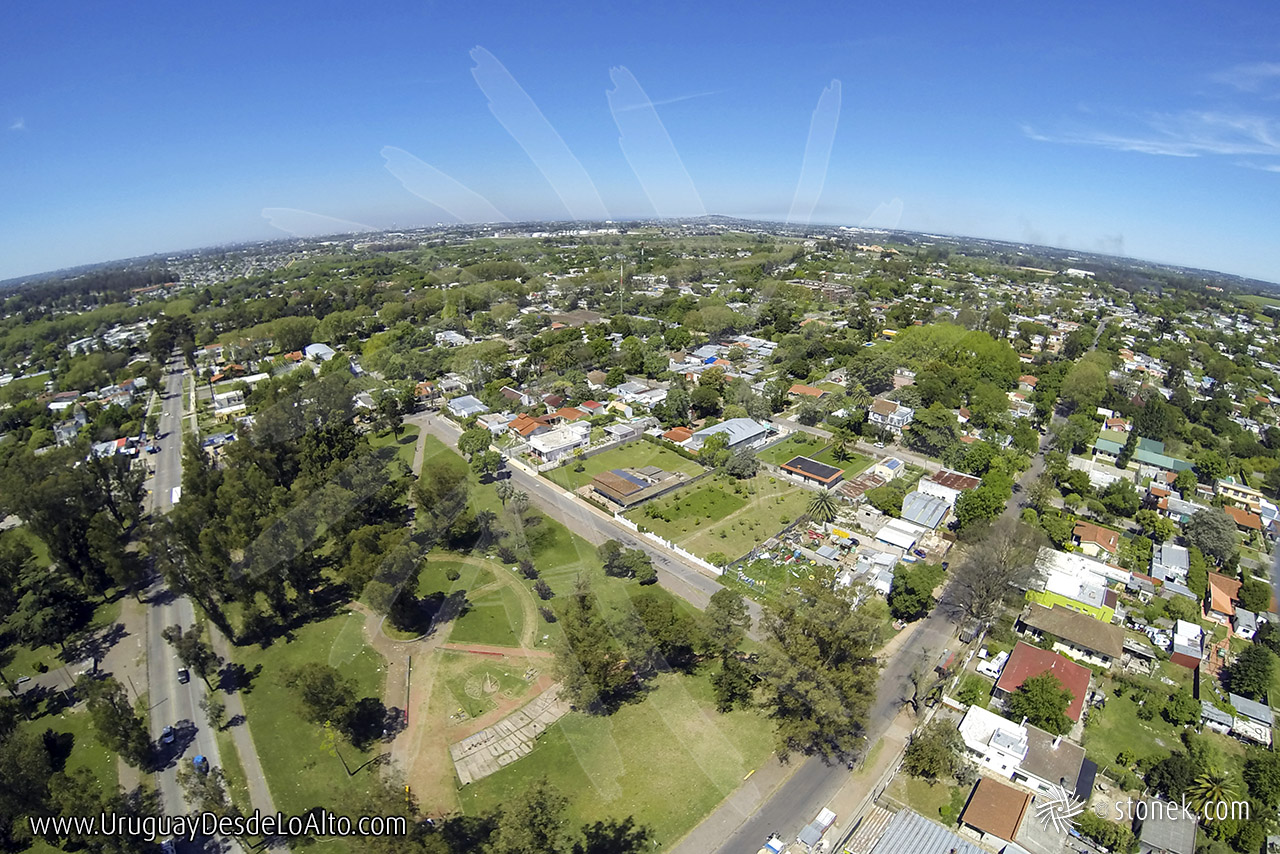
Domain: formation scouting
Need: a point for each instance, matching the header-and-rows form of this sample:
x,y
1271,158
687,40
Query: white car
x,y
167,735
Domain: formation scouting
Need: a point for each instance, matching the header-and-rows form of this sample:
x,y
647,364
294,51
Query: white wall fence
x,y
687,555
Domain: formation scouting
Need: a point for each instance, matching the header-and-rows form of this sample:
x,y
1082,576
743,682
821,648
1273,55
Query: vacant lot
x,y
667,761
633,455
852,466
724,515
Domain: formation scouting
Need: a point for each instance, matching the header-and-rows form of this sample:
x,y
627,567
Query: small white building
x,y
561,442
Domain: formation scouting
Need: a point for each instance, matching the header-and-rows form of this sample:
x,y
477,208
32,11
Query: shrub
x,y
452,574
547,614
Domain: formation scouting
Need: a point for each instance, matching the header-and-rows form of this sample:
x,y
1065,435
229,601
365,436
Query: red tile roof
x,y
1087,532
1244,518
678,434
1028,661
1223,593
806,390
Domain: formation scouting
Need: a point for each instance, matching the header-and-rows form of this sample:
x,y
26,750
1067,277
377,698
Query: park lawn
x,y
495,618
798,444
26,661
86,750
632,455
475,682
404,445
433,579
667,761
713,517
299,769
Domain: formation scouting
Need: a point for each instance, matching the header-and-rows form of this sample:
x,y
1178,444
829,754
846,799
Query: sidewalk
x,y
259,794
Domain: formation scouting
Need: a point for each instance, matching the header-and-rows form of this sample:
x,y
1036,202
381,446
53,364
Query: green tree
x,y
934,751
1211,787
532,820
1181,709
1255,595
999,562
818,668
1213,533
1108,834
193,651
325,694
119,727
911,595
732,684
1044,701
1211,467
726,620
1262,775
591,662
1250,674
1185,483
822,506
474,440
486,464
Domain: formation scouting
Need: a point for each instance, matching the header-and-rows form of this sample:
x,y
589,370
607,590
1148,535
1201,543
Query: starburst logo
x,y
1059,809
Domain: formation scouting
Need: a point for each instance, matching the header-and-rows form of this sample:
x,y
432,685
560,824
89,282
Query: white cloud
x,y
1187,134
1249,77
18,124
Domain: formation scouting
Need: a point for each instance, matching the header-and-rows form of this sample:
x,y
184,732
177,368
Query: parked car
x,y
166,735
184,675
921,553
201,764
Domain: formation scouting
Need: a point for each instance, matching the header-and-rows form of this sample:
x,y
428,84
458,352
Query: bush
x,y
547,614
452,574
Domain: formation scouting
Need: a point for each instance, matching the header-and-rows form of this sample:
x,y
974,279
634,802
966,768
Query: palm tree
x,y
857,393
822,506
485,520
520,500
505,491
840,446
1209,788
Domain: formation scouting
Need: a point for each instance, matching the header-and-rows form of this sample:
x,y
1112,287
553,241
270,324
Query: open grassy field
x,y
404,445
1259,299
722,515
797,444
494,618
939,801
475,683
852,466
632,455
301,772
667,761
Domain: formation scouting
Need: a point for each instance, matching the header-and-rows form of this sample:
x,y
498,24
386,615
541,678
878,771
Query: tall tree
x,y
1212,531
592,662
1000,561
818,668
533,822
119,727
1043,701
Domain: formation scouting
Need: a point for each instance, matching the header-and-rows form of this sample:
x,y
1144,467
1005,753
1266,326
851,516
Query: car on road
x,y
879,444
167,735
184,675
201,764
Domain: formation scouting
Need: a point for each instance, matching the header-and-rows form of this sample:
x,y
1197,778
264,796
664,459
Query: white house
x,y
1026,754
228,404
1169,562
561,442
466,406
318,352
890,415
739,432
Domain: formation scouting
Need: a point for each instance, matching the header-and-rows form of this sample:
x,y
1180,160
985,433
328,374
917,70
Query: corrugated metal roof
x,y
910,831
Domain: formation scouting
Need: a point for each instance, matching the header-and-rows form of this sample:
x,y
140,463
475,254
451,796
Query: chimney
x,y
1056,742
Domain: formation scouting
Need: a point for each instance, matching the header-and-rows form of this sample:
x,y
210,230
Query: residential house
x,y
814,471
995,811
525,426
948,485
888,468
566,415
802,390
1027,383
1026,754
1074,634
889,415
1077,582
1246,522
910,831
496,423
1166,829
228,405
678,435
1027,661
1170,562
926,510
1224,592
1240,495
1253,720
740,433
1188,644
1245,623
449,338
1215,719
466,406
319,352
560,442
1094,540
629,487
516,397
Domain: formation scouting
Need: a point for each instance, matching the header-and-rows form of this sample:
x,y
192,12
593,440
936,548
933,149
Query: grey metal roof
x,y
736,430
1170,555
910,831
1210,712
1162,833
922,509
1251,709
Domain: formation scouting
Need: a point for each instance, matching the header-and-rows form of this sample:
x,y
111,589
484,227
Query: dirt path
x,y
421,750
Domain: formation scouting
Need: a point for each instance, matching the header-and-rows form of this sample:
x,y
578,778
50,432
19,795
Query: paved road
x,y
594,525
173,703
795,803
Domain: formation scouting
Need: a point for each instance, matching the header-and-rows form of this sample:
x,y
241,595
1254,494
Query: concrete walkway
x,y
259,794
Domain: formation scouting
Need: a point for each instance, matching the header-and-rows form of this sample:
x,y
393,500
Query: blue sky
x,y
1145,129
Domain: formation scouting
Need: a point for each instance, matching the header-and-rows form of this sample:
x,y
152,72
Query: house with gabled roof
x,y
1027,661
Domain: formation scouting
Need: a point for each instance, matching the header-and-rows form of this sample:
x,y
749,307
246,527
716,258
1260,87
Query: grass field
x,y
938,801
1259,299
797,444
26,661
667,761
475,683
852,466
405,444
722,515
633,455
494,618
301,772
